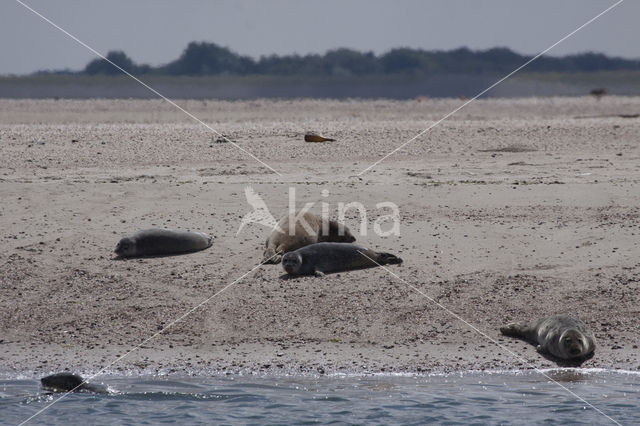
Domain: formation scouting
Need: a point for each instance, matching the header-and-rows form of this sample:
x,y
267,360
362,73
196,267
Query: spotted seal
x,y
308,228
69,382
324,258
155,241
562,336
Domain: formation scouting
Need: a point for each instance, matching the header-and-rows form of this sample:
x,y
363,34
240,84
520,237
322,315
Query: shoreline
x,y
248,87
559,374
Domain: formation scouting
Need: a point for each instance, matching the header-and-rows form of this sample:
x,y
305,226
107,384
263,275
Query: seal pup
x,y
314,137
324,258
319,230
69,382
562,336
155,241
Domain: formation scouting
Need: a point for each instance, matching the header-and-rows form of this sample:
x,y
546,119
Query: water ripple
x,y
473,398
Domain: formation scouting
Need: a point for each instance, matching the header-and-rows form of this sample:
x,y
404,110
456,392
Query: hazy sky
x,y
156,31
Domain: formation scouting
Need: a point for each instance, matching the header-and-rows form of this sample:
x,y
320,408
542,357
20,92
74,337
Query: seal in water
x,y
308,229
562,336
314,137
323,258
155,241
69,382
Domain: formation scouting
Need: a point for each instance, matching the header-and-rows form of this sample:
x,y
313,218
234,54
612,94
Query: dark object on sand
x,y
314,137
562,336
608,116
510,148
324,258
69,382
156,242
599,92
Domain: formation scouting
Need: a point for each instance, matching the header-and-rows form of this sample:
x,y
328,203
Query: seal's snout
x,y
575,350
123,248
288,266
574,344
119,250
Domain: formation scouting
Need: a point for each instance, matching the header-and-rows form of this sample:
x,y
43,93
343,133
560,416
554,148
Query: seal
x,y
562,336
155,241
69,382
324,258
308,228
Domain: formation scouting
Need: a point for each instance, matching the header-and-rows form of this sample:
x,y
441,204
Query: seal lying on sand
x,y
69,382
281,240
562,336
314,137
155,241
323,258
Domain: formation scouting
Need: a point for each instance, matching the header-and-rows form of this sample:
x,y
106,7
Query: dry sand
x,y
510,209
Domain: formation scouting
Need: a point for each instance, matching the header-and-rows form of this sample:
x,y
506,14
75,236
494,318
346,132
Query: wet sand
x,y
510,209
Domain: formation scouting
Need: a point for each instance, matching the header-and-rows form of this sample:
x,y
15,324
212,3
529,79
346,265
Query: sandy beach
x,y
510,210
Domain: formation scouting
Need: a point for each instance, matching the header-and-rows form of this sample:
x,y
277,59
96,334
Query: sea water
x,y
558,396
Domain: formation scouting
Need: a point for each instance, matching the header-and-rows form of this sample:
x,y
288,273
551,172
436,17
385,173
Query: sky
x,y
157,31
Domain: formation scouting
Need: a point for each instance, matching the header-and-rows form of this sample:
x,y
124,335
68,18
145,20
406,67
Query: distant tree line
x,y
202,58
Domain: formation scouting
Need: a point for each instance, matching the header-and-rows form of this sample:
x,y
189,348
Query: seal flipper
x,y
271,257
388,259
513,330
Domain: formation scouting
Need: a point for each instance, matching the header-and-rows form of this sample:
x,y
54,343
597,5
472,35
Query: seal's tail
x,y
513,329
388,259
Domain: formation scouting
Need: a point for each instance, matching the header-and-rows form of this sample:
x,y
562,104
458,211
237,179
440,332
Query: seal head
x,y
573,344
292,263
62,382
338,233
125,247
69,382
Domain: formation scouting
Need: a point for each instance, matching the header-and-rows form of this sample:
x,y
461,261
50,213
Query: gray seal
x,y
282,240
155,241
69,382
324,258
562,336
